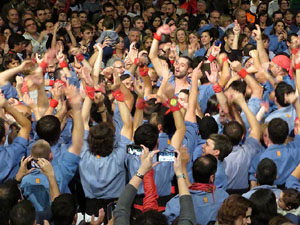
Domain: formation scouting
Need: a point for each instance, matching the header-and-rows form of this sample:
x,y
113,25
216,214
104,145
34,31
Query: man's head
x,y
134,35
11,61
280,65
278,130
207,126
147,135
101,140
108,9
292,41
48,128
138,22
22,213
214,18
266,172
234,131
119,66
16,42
83,17
41,149
283,5
204,169
30,26
280,91
182,67
278,15
228,38
149,12
240,16
217,145
245,5
201,6
171,9
41,15
13,16
86,33
64,210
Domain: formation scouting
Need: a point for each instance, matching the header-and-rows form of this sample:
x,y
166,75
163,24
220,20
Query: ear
x,y
256,177
190,70
212,179
75,219
50,156
217,152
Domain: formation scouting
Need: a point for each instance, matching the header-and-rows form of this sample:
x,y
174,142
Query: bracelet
x,y
157,37
136,61
225,59
51,82
243,73
63,64
43,65
211,58
140,104
295,51
118,95
217,88
80,57
297,66
139,175
180,176
53,103
143,71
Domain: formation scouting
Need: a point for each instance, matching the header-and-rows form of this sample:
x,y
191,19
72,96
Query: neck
x,y
119,51
13,25
207,46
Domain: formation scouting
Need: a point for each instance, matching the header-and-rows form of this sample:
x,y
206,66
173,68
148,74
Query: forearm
x,y
187,180
78,131
97,67
22,120
177,138
127,120
296,172
53,42
225,75
19,92
72,38
147,85
54,190
297,107
263,56
257,90
254,125
223,102
129,100
85,111
138,118
8,74
235,44
192,102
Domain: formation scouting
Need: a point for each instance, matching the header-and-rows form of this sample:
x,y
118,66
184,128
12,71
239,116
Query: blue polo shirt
x,y
10,157
273,188
9,91
103,177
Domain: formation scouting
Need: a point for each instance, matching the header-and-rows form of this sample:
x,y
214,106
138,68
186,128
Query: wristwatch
x,y
139,175
180,176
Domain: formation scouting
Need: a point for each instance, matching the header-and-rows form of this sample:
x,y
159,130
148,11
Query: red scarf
x,y
209,188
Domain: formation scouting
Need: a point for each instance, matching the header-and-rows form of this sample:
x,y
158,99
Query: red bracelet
x,y
172,62
60,82
295,51
217,88
143,71
173,105
53,103
225,59
63,64
118,95
157,37
90,91
136,61
243,73
140,104
51,82
24,88
43,65
211,58
297,66
80,57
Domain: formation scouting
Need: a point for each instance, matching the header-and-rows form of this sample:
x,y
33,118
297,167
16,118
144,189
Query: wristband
x,y
90,91
51,82
172,62
53,103
173,105
136,61
157,37
80,57
225,59
211,58
139,175
295,51
297,66
217,88
143,71
24,88
34,60
180,176
43,65
118,95
63,64
140,104
60,82
243,73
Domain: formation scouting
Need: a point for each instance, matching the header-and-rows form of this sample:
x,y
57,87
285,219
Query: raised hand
x,y
235,65
46,167
257,33
165,29
147,160
237,28
139,88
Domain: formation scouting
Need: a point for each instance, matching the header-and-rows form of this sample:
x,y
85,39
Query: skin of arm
x,y
97,65
85,112
296,172
177,138
236,31
139,113
263,56
127,129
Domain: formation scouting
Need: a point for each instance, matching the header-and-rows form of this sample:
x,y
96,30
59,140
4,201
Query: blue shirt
x,y
254,106
293,182
35,186
237,163
163,173
205,92
276,46
103,177
200,52
10,157
286,158
208,27
205,205
273,188
9,91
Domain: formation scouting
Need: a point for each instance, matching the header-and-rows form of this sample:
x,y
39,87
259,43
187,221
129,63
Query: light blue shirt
x,y
293,182
237,163
273,188
103,177
205,92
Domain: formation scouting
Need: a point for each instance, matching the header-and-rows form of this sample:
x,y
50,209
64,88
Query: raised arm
x,y
178,136
236,31
263,56
78,130
140,105
239,99
72,38
19,117
97,65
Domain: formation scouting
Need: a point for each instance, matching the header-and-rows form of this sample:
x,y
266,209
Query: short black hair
x,y
278,130
107,5
207,126
15,39
239,85
223,144
48,128
281,89
151,217
2,128
108,23
203,168
146,134
22,213
64,208
234,131
266,172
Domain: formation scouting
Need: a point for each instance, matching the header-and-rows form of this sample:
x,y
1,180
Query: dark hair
x,y
28,19
203,168
248,48
190,61
86,27
151,217
48,128
289,37
101,139
107,5
279,220
207,126
234,131
8,58
15,39
239,85
275,23
223,144
136,18
63,209
266,172
291,198
108,23
278,130
212,105
232,208
23,213
281,89
130,20
146,134
264,206
277,12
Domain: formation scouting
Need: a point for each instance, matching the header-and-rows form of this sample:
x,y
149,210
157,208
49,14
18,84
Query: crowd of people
x,y
150,112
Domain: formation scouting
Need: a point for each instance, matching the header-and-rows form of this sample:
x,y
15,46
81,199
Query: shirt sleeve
x,y
68,165
293,182
191,135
